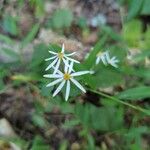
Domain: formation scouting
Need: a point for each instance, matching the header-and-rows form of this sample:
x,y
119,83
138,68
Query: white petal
x,y
70,54
59,88
114,65
98,60
78,85
70,67
67,90
52,76
57,66
63,48
51,52
103,60
52,64
66,62
71,59
50,58
107,55
80,73
58,71
54,82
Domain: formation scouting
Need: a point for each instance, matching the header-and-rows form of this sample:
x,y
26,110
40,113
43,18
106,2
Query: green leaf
x,y
132,32
145,9
90,61
30,36
11,53
39,55
39,144
104,120
62,18
6,39
10,25
134,9
135,94
39,120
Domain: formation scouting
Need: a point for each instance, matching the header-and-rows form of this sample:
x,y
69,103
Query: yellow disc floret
x,y
60,55
99,54
67,76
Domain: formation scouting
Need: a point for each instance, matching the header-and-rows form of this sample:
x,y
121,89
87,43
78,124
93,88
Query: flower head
x,y
58,57
66,78
106,59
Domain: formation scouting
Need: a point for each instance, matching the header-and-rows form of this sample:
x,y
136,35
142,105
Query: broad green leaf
x,y
38,57
145,9
137,93
62,18
134,8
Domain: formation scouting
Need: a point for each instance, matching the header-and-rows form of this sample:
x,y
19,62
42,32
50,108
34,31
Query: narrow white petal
x,y
114,65
70,54
70,67
79,73
66,62
72,59
52,76
51,52
54,82
52,64
50,58
78,85
66,65
98,60
58,71
57,66
67,90
59,88
107,55
63,48
103,60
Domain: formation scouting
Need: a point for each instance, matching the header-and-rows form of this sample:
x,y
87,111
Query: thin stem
x,y
147,112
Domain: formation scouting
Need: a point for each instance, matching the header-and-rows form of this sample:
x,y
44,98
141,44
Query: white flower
x,y
105,58
66,78
102,56
58,57
113,61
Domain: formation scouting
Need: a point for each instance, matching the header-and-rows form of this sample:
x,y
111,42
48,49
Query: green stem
x,y
147,112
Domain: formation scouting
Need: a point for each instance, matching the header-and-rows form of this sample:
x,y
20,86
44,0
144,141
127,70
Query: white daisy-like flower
x,y
102,56
105,58
66,78
58,57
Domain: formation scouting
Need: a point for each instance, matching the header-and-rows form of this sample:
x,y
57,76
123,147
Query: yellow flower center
x,y
67,76
60,55
99,54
